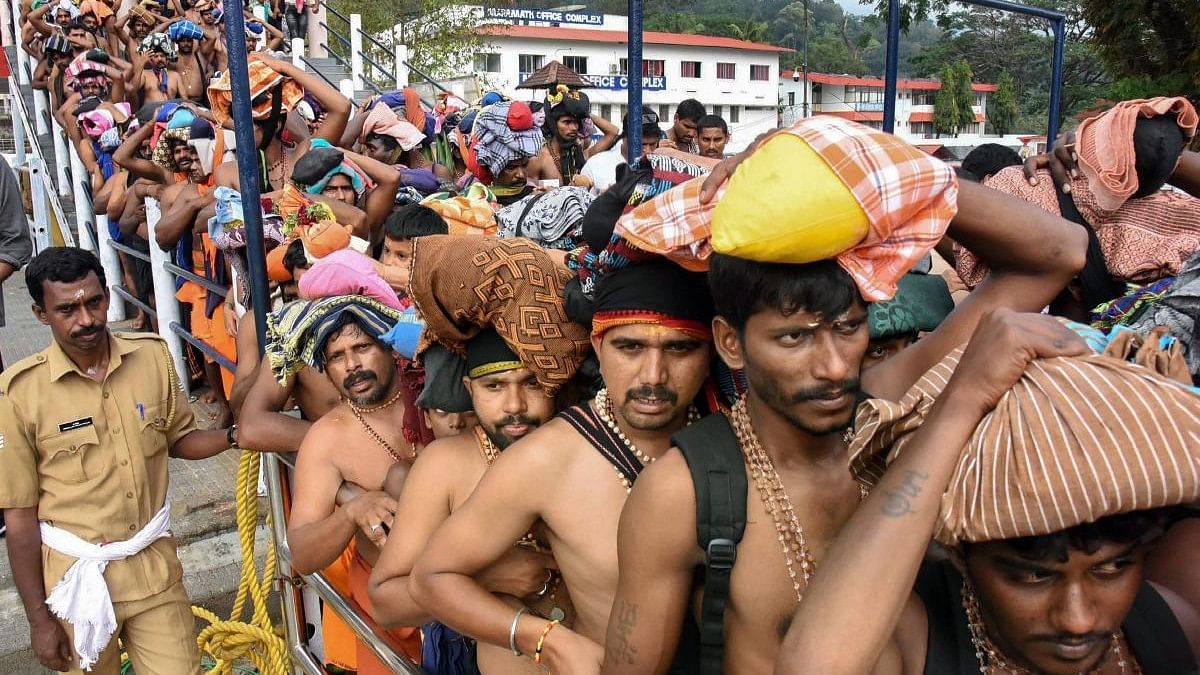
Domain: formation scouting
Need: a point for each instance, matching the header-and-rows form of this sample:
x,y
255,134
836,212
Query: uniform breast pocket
x,y
73,457
154,428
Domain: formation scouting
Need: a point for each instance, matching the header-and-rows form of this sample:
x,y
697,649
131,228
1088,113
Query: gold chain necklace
x,y
357,411
605,411
490,451
991,659
776,500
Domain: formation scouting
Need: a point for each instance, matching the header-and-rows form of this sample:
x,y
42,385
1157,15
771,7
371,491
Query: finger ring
x,y
374,528
546,585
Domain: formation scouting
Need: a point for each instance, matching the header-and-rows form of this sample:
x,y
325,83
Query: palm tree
x,y
749,30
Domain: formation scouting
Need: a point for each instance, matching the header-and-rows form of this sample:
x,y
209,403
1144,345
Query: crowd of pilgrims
x,y
830,405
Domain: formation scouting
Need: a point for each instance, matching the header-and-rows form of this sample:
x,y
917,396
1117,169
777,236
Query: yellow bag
x,y
785,204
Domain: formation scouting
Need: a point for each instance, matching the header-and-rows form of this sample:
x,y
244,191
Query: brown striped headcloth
x,y
1077,439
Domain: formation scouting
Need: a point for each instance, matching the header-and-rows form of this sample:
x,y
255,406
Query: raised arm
x,y
178,216
382,199
873,561
262,426
657,557
1032,255
336,106
609,139
126,157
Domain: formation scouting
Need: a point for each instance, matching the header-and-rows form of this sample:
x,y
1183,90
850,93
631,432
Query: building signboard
x,y
544,15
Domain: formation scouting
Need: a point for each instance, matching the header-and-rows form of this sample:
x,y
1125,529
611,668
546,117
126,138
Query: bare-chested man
x,y
192,68
799,333
148,74
651,334
370,421
510,404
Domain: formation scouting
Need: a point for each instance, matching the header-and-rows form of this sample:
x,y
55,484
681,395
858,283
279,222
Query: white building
x,y
734,79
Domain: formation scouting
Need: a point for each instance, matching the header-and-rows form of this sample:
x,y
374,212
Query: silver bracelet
x,y
512,632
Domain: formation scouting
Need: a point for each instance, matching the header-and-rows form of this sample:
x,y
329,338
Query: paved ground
x,y
202,516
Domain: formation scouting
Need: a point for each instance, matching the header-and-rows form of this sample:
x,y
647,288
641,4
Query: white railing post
x,y
41,111
83,205
298,52
316,32
61,161
165,304
401,66
356,59
346,86
18,127
23,71
111,264
7,23
41,210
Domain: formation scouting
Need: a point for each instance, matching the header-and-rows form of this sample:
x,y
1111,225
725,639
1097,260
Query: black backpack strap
x,y
1096,284
719,476
1155,636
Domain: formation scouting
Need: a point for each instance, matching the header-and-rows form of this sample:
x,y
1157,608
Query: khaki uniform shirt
x,y
92,456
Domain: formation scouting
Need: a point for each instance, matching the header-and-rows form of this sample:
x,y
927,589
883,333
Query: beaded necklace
x,y
605,411
991,659
358,415
776,500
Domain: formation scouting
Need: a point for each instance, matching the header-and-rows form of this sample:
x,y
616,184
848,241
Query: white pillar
x,y
18,126
83,205
165,304
346,86
298,52
401,66
112,269
41,111
6,25
356,59
41,209
62,161
22,66
317,35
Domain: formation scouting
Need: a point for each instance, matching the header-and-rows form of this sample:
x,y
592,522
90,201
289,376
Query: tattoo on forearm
x,y
898,501
619,651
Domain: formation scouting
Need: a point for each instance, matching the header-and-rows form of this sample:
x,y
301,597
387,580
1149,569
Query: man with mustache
x,y
509,404
357,442
192,70
571,477
87,427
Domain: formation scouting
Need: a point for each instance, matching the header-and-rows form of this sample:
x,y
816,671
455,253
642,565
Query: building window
x,y
689,69
734,114
487,63
650,67
726,71
977,99
717,110
922,129
527,63
664,112
576,63
924,97
791,98
856,94
760,73
606,111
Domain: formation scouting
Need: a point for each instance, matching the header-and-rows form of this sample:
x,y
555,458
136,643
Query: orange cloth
x,y
406,641
1104,145
413,112
211,331
262,84
325,237
341,646
99,9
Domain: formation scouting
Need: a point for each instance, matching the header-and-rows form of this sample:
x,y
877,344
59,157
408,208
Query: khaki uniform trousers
x,y
157,632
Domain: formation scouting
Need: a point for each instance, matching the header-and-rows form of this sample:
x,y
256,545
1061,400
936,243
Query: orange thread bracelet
x,y
537,654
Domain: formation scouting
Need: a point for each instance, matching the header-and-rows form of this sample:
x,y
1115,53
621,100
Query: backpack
x,y
714,458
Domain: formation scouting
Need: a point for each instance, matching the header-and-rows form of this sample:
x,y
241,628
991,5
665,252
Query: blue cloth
x,y
180,118
184,29
445,652
404,336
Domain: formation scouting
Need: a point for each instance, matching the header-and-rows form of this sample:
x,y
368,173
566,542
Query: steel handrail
x,y
375,63
336,13
377,42
343,62
133,300
330,31
203,346
197,279
36,149
319,74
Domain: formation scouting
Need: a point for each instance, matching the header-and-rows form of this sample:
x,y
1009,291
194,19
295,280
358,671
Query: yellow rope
x,y
255,640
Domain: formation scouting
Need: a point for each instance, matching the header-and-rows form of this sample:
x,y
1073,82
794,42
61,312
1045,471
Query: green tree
x,y
676,22
945,104
749,30
1002,113
964,96
1152,45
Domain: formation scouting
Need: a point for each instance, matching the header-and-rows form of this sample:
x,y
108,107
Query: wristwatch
x,y
231,435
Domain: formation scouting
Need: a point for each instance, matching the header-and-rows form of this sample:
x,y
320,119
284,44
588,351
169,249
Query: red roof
x,y
622,37
826,78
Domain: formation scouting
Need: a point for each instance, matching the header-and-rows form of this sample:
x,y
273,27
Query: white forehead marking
x,y
78,294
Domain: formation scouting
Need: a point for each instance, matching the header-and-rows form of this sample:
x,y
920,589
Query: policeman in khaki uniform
x,y
86,429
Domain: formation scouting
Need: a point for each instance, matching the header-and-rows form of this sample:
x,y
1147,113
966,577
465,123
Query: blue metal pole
x,y
1056,76
633,130
247,158
891,66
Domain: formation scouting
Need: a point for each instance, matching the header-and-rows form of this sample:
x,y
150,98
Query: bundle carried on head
x,y
824,188
322,162
462,285
158,42
296,335
1076,439
502,133
184,30
266,86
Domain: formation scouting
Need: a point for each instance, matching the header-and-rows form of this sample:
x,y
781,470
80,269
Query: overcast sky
x,y
853,7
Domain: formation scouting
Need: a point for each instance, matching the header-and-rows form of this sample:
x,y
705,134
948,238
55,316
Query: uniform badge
x,y
74,424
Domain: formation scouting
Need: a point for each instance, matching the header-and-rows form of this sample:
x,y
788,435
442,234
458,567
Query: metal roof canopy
x,y
553,74
1057,23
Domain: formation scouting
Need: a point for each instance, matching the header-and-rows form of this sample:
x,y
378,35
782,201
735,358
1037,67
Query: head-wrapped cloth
x,y
184,30
444,373
138,12
384,121
346,272
1076,439
321,163
921,302
263,83
66,6
656,292
464,284
1104,145
562,100
214,147
324,238
488,354
504,132
880,206
204,5
158,42
162,149
255,31
296,335
57,44
96,8
103,118
553,219
82,71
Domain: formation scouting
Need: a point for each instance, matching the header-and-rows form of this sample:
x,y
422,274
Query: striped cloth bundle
x,y
1077,439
